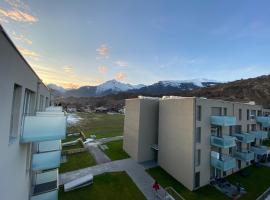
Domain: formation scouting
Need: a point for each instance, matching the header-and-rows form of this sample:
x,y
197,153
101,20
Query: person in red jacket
x,y
156,187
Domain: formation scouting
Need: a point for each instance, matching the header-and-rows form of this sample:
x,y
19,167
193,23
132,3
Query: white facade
x,y
22,93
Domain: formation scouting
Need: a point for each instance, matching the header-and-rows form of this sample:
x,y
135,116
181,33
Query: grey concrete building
x,y
30,143
200,139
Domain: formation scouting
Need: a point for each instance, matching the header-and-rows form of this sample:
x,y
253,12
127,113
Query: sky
x,y
87,42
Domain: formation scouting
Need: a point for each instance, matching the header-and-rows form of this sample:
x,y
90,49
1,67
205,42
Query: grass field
x,y
115,150
266,143
77,161
101,125
76,146
205,193
116,185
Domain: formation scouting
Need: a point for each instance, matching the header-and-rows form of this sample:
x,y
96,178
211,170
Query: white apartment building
x,y
30,129
196,139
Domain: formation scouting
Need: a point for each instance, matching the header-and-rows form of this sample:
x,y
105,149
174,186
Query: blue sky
x,y
73,43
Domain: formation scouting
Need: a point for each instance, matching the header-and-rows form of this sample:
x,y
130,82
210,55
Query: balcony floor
x,y
45,187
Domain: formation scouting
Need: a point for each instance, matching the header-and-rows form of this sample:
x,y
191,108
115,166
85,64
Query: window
x,y
239,164
199,113
29,102
253,127
197,179
238,129
47,102
253,114
15,113
248,128
259,113
240,114
248,114
225,111
198,135
41,101
198,157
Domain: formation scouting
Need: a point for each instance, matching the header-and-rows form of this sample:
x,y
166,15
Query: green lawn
x,y
115,150
165,180
77,161
76,146
70,138
101,125
255,184
266,143
116,185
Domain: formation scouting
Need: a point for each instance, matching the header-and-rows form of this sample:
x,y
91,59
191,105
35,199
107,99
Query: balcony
x,y
245,155
43,128
260,134
45,182
54,145
48,160
245,137
51,113
54,109
223,142
53,195
259,150
223,163
264,120
223,120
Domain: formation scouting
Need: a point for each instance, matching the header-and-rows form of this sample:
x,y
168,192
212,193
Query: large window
x,y
199,113
240,114
198,135
41,102
224,111
47,102
15,112
198,157
216,111
197,179
248,115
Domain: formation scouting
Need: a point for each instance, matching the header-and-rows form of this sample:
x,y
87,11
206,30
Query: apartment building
x,y
30,130
199,139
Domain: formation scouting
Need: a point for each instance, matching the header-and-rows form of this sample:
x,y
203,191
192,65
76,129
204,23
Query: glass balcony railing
x,y
245,155
223,142
224,163
51,113
48,160
260,134
54,109
53,195
264,120
259,150
223,120
245,137
43,128
45,182
54,145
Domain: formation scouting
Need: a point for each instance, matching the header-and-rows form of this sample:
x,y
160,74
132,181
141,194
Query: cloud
x,y
21,38
68,69
121,63
17,15
17,4
28,53
102,51
102,69
120,76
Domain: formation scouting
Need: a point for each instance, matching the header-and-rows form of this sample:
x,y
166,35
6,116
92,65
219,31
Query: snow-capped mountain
x,y
56,87
114,87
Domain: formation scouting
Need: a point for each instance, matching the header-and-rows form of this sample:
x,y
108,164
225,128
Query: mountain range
x,y
114,87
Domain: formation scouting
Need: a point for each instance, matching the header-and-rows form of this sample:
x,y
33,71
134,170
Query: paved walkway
x,y
136,171
109,139
97,153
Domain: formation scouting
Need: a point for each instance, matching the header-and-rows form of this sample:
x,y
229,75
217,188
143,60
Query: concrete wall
x,y
15,158
176,139
141,128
